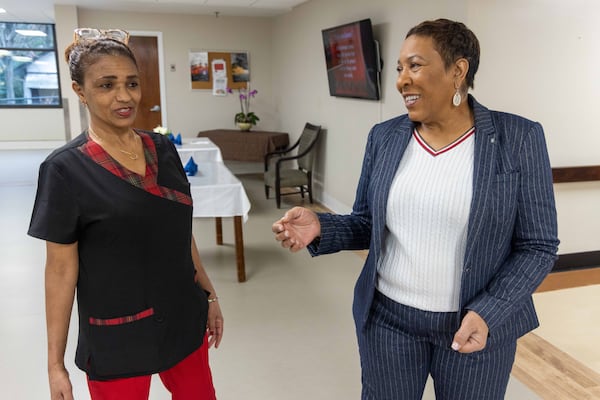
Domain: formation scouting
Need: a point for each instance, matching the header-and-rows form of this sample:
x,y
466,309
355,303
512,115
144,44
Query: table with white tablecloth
x,y
201,149
217,193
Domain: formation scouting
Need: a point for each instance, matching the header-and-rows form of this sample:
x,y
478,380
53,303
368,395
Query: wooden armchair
x,y
282,173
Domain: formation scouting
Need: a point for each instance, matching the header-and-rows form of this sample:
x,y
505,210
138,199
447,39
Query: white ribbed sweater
x,y
427,218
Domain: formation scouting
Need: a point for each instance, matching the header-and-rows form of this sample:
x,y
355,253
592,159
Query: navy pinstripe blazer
x,y
512,232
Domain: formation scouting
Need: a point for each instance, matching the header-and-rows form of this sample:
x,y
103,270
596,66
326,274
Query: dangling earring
x,y
456,99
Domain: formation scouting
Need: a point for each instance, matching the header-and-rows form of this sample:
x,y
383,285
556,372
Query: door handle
x,y
155,108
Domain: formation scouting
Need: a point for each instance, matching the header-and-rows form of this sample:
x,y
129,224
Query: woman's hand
x,y
215,324
60,384
298,227
472,334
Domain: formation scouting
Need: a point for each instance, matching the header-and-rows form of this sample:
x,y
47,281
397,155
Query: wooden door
x,y
145,49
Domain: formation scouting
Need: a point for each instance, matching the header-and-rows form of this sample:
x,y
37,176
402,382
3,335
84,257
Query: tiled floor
x,y
289,333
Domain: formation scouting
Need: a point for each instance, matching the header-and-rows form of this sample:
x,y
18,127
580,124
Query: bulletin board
x,y
237,67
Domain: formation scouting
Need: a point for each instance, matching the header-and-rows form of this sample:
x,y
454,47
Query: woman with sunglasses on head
x,y
115,210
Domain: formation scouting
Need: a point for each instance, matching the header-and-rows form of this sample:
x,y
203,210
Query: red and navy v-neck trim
x,y
444,149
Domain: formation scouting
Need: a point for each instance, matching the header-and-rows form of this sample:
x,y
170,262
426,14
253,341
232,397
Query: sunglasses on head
x,y
95,34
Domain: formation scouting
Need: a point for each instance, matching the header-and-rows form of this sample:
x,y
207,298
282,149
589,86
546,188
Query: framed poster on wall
x,y
237,69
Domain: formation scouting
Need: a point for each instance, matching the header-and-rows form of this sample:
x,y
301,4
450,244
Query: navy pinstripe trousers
x,y
401,346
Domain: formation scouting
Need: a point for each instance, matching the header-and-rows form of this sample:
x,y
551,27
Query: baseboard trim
x,y
575,261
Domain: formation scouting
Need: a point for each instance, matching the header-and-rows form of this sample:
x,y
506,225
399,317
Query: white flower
x,y
162,130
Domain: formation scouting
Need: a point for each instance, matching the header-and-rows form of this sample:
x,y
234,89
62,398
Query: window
x,y
28,66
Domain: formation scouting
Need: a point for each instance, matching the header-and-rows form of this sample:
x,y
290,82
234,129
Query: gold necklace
x,y
130,154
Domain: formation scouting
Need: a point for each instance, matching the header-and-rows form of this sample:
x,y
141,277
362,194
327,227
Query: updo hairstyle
x,y
84,53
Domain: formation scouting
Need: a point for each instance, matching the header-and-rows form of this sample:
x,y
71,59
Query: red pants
x,y
190,379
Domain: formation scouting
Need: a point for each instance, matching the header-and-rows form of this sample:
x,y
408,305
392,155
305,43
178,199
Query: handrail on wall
x,y
586,259
576,174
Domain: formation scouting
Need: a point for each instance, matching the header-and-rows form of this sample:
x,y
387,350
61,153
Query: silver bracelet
x,y
213,299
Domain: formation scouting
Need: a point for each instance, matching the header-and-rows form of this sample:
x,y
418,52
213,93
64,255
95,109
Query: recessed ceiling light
x,y
2,11
28,32
22,59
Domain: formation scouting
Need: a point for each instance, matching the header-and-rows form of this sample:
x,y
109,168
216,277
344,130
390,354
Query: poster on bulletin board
x,y
235,73
219,77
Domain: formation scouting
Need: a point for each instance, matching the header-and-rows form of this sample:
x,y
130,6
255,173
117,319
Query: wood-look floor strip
x,y
570,279
552,373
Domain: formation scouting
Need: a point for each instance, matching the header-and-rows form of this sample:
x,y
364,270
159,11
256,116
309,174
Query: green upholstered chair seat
x,y
287,178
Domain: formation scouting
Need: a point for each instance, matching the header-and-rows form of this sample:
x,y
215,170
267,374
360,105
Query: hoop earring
x,y
456,99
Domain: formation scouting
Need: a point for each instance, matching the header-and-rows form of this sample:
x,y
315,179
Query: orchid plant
x,y
245,115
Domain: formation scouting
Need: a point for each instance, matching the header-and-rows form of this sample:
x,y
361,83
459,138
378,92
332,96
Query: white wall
x,y
539,59
302,92
189,111
40,124
542,62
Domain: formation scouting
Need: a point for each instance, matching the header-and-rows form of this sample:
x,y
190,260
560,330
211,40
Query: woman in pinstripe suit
x,y
456,206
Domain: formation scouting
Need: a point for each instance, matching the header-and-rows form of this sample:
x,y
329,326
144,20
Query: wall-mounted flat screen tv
x,y
352,59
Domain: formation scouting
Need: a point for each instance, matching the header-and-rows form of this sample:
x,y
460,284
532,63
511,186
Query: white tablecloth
x,y
202,149
216,192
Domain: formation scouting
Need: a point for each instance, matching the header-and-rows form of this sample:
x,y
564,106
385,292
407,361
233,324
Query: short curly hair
x,y
81,54
452,40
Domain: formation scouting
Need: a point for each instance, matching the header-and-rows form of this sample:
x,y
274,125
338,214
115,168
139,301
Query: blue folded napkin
x,y
175,139
191,168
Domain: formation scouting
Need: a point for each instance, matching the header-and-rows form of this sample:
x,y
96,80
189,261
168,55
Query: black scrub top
x,y
140,310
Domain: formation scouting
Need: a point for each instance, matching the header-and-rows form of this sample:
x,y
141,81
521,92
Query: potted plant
x,y
245,118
